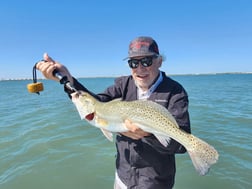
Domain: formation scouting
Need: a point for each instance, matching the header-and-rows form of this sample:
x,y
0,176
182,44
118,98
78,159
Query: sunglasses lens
x,y
146,62
133,63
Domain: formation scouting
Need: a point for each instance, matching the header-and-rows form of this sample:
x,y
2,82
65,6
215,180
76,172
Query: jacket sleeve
x,y
178,107
110,93
77,85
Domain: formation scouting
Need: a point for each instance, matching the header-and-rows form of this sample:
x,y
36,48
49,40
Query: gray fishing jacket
x,y
146,163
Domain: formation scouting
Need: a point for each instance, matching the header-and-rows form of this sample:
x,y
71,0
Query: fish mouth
x,y
76,95
82,107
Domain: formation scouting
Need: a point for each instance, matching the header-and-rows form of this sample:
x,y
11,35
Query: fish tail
x,y
202,155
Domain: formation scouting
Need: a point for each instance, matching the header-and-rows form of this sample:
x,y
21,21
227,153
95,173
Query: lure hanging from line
x,y
37,87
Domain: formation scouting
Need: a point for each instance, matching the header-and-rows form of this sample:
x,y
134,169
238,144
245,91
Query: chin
x,y
142,84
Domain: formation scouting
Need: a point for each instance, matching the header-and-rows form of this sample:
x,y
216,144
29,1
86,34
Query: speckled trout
x,y
150,117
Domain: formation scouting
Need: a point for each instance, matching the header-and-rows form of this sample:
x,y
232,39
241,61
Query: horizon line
x,y
82,77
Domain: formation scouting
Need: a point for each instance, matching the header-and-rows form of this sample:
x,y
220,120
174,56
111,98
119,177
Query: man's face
x,y
145,76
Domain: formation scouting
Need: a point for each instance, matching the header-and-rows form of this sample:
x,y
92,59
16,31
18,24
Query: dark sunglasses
x,y
146,62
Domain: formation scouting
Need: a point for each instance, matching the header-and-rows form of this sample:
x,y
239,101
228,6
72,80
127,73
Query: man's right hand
x,y
48,65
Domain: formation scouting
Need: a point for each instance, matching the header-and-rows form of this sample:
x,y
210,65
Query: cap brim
x,y
139,55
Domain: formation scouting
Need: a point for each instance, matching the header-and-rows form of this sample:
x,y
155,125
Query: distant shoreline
x,y
194,74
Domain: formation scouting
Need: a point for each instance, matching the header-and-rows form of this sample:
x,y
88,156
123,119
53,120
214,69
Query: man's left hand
x,y
134,132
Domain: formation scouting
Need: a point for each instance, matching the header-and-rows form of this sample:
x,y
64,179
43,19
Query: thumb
x,y
47,58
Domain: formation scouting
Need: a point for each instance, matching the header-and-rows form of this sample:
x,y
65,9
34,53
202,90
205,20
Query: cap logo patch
x,y
139,44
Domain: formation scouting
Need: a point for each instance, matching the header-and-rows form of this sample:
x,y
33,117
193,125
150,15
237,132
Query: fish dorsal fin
x,y
107,134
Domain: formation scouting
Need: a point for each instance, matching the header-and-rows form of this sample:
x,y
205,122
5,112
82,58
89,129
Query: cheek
x,y
134,71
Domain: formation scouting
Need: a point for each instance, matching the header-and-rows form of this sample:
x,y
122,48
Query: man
x,y
141,161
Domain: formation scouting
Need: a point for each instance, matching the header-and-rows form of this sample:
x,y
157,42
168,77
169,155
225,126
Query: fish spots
x,y
150,117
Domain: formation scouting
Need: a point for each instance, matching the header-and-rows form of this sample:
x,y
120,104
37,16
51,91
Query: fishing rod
x,y
37,87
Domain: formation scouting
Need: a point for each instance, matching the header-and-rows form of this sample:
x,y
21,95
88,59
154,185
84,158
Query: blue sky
x,y
91,37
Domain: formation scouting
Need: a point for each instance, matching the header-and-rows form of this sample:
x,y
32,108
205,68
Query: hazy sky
x,y
91,37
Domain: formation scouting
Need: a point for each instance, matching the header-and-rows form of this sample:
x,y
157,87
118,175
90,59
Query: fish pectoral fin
x,y
107,134
102,122
164,140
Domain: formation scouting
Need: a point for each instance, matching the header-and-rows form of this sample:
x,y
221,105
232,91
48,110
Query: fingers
x,y
134,131
47,58
47,69
133,127
48,65
131,135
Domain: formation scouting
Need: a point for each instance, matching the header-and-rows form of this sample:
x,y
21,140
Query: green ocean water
x,y
45,145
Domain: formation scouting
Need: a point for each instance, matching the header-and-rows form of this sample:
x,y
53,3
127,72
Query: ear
x,y
160,60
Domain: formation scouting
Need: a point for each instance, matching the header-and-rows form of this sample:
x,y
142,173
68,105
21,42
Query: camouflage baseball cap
x,y
142,46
